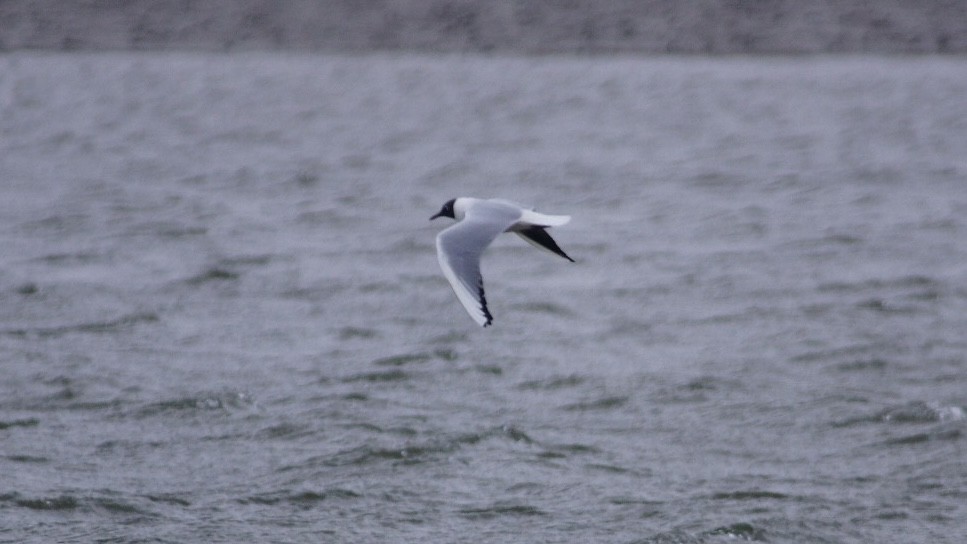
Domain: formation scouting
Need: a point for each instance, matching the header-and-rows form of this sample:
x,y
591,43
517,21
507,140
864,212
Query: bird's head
x,y
446,210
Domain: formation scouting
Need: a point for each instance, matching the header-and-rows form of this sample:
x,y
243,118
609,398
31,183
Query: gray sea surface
x,y
222,318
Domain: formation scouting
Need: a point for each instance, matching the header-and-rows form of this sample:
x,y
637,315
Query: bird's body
x,y
479,222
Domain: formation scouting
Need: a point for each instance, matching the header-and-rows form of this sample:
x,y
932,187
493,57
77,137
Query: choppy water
x,y
221,317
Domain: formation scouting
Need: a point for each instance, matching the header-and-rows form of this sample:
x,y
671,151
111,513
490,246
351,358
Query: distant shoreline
x,y
527,27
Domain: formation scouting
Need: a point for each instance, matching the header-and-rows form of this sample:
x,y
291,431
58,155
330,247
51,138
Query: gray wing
x,y
459,249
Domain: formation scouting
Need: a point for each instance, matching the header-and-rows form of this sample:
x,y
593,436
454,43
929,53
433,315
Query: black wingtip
x,y
538,235
483,305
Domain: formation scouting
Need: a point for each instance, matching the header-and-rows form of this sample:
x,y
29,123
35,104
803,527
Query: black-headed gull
x,y
479,222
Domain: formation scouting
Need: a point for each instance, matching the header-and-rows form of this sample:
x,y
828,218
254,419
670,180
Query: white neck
x,y
461,205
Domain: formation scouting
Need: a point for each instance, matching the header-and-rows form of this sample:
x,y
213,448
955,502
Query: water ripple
x,y
498,510
93,327
299,499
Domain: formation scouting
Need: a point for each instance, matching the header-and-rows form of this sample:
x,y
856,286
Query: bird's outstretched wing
x,y
460,246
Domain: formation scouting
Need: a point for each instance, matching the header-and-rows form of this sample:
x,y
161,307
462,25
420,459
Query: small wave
x,y
299,499
66,503
166,229
403,359
449,338
752,313
704,383
673,537
129,446
543,308
605,403
69,258
408,454
27,289
565,451
63,502
351,333
219,402
395,375
419,452
903,282
557,382
26,459
216,274
117,507
168,498
493,370
27,422
94,327
733,532
284,431
696,390
920,412
843,239
514,434
916,412
364,455
864,365
880,306
501,510
246,260
612,469
836,353
751,495
930,436
739,531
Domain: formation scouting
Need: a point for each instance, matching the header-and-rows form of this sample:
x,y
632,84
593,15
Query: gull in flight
x,y
479,221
